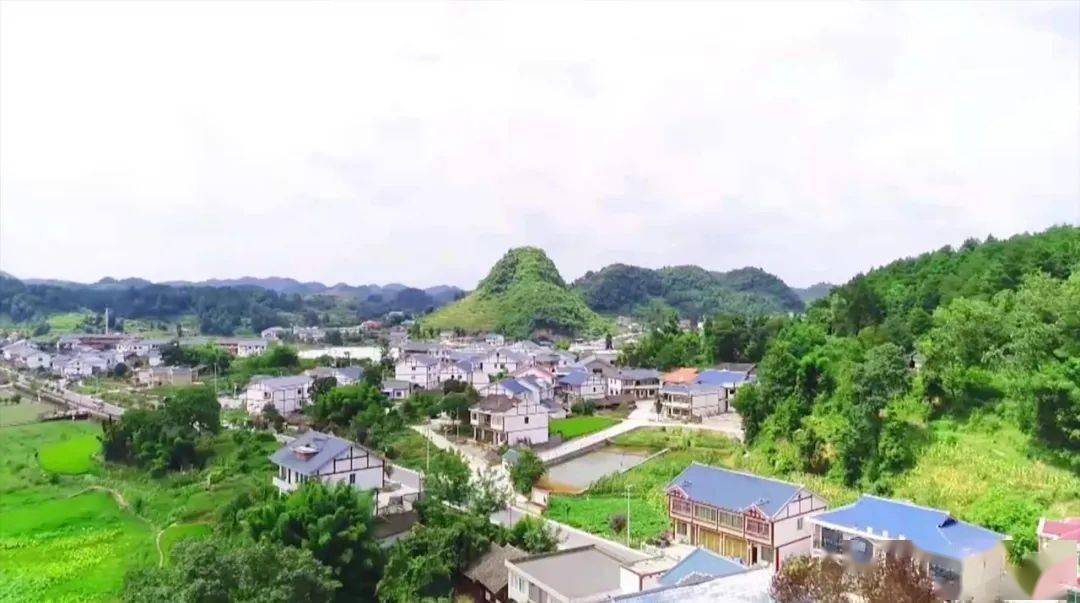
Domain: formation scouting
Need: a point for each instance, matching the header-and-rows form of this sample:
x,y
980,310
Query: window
x,y
705,513
798,523
731,520
352,478
526,420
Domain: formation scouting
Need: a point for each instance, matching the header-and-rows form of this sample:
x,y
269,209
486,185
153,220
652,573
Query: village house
x,y
581,385
246,348
692,402
965,561
500,420
275,333
22,353
487,579
728,380
286,394
421,370
580,574
741,516
165,375
345,375
638,383
395,389
85,364
332,460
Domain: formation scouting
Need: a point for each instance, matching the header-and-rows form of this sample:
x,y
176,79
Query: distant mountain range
x,y
811,294
441,294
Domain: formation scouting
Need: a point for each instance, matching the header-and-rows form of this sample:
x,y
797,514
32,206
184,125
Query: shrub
x,y
617,522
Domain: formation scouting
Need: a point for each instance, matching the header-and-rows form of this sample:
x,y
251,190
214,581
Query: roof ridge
x,y
748,474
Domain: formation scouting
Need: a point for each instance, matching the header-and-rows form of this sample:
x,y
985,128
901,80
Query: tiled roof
x,y
495,404
1060,529
326,447
932,530
700,563
637,373
574,378
681,375
733,490
283,382
689,389
490,569
721,377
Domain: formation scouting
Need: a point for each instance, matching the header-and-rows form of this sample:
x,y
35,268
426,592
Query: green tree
x,y
333,523
448,479
527,471
212,569
533,535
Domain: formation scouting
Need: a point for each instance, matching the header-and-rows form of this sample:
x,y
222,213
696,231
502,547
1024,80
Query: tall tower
x,y
106,321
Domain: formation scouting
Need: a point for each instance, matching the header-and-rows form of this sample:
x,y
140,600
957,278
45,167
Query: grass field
x,y
184,531
59,540
72,456
25,411
60,324
575,427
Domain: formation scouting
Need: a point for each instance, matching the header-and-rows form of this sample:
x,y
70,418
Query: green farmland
x,y
575,427
72,526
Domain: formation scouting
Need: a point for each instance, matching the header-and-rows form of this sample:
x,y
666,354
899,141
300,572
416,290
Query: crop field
x,y
72,456
73,526
575,427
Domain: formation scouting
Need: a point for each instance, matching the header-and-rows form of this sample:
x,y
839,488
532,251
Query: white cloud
x,y
413,142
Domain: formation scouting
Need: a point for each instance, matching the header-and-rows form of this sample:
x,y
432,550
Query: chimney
x,y
304,452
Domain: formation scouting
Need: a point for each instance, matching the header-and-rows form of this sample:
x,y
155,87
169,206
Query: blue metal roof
x,y
932,530
577,377
512,386
698,565
733,490
721,377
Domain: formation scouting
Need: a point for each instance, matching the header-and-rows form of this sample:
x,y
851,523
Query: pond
x,y
577,474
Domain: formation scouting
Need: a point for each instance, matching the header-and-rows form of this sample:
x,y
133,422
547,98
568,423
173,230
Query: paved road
x,y
578,444
60,394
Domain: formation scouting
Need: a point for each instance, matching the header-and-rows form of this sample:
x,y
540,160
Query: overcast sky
x,y
416,143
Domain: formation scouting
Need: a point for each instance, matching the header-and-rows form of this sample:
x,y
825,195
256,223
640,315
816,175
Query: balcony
x,y
757,529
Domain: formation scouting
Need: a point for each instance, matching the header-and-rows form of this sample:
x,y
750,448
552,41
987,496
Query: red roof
x,y
680,375
1060,529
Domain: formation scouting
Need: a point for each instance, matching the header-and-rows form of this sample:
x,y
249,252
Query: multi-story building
x,y
286,394
638,383
499,420
692,401
421,370
966,561
741,516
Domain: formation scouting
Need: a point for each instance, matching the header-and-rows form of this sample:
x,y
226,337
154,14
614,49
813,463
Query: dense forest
x,y
987,332
219,310
691,291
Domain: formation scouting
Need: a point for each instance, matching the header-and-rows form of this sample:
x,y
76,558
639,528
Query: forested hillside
x,y
692,291
523,294
974,349
218,309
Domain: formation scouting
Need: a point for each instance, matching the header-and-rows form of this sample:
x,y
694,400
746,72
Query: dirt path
x,y
120,500
157,544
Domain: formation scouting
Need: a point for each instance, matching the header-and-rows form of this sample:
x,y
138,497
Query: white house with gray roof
x,y
329,459
575,575
499,420
286,394
689,401
421,370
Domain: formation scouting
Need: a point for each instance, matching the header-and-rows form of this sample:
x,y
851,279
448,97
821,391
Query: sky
x,y
416,143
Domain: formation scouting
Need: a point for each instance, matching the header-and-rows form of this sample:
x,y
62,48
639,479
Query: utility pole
x,y
427,451
627,514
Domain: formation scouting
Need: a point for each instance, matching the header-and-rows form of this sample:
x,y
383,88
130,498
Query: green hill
x,y
523,294
691,290
952,378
